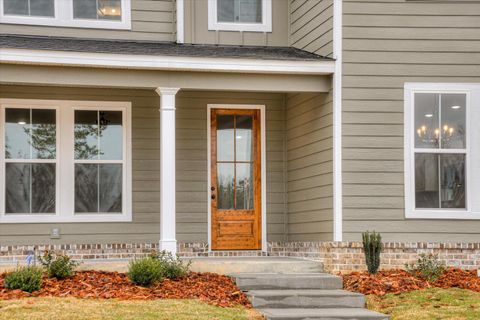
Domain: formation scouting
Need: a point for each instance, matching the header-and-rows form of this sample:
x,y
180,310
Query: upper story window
x,y
103,14
240,15
442,165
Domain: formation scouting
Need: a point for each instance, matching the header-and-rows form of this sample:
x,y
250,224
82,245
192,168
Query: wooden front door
x,y
236,179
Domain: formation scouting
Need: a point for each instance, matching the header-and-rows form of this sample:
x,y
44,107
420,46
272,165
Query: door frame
x,y
263,163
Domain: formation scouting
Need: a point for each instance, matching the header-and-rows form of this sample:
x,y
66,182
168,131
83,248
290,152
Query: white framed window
x,y
240,15
65,161
102,14
442,158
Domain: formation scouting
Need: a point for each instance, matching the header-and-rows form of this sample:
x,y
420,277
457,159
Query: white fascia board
x,y
129,61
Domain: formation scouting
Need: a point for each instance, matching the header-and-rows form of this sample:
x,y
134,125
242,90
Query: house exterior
x,y
246,127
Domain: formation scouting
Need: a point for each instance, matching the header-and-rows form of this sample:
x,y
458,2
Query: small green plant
x,y
172,266
427,267
372,246
57,265
27,279
145,271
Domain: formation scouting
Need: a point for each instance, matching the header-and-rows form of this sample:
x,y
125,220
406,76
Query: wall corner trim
x,y
180,23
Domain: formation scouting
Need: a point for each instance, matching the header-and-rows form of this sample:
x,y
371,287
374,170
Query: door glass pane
x,y
17,188
43,188
453,121
244,138
244,184
85,9
426,181
225,186
86,187
109,10
225,138
111,135
43,134
110,188
86,134
42,8
427,130
17,133
452,180
15,7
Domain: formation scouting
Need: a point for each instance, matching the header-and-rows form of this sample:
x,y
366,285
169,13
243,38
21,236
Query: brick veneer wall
x,y
334,256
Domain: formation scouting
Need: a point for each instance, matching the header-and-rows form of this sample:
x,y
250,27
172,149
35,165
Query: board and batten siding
x,y
387,43
196,27
311,26
309,148
192,174
152,20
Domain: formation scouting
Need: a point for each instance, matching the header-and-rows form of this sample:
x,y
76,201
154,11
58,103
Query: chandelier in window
x,y
430,136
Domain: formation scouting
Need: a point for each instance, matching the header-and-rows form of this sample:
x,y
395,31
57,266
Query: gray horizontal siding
x,y
309,167
152,20
387,43
311,26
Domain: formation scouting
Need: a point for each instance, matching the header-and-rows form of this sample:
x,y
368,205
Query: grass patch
x,y
435,303
96,309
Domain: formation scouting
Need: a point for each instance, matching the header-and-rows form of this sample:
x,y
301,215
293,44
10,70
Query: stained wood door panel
x,y
235,179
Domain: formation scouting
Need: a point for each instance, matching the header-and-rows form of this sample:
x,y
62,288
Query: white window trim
x,y
409,159
265,26
65,162
64,18
263,161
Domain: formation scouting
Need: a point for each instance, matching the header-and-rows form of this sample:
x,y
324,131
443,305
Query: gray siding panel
x,y
311,26
152,20
387,43
309,167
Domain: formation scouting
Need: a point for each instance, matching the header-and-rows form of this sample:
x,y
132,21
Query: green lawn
x,y
93,309
453,304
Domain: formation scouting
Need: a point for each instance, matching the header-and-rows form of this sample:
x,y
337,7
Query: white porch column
x,y
168,239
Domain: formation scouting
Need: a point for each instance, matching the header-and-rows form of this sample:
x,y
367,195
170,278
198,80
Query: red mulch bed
x,y
212,288
398,281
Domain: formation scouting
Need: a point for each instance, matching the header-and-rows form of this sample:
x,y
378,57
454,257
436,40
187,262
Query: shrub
x,y
372,245
27,279
172,266
58,265
427,267
145,271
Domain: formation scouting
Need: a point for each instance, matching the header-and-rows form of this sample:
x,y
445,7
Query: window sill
x,y
52,22
30,218
241,27
443,214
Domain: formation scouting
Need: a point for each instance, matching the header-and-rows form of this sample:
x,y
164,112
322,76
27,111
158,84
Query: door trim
x,y
263,162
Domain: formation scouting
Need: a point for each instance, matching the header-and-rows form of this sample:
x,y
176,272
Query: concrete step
x,y
236,265
322,314
265,281
305,298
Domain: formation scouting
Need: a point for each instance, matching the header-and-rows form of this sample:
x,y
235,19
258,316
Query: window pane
x,y
427,120
85,9
86,134
86,187
15,7
43,188
43,8
244,192
109,10
426,181
110,188
453,180
453,121
241,11
17,188
244,138
43,134
225,186
225,138
111,135
17,133
30,188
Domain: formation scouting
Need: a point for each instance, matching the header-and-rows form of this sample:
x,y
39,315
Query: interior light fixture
x,y
429,115
456,107
22,122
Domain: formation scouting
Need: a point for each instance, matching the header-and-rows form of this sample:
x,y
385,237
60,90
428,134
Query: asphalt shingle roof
x,y
157,48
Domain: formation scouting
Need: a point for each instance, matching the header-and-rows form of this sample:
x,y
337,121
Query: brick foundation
x,y
334,256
